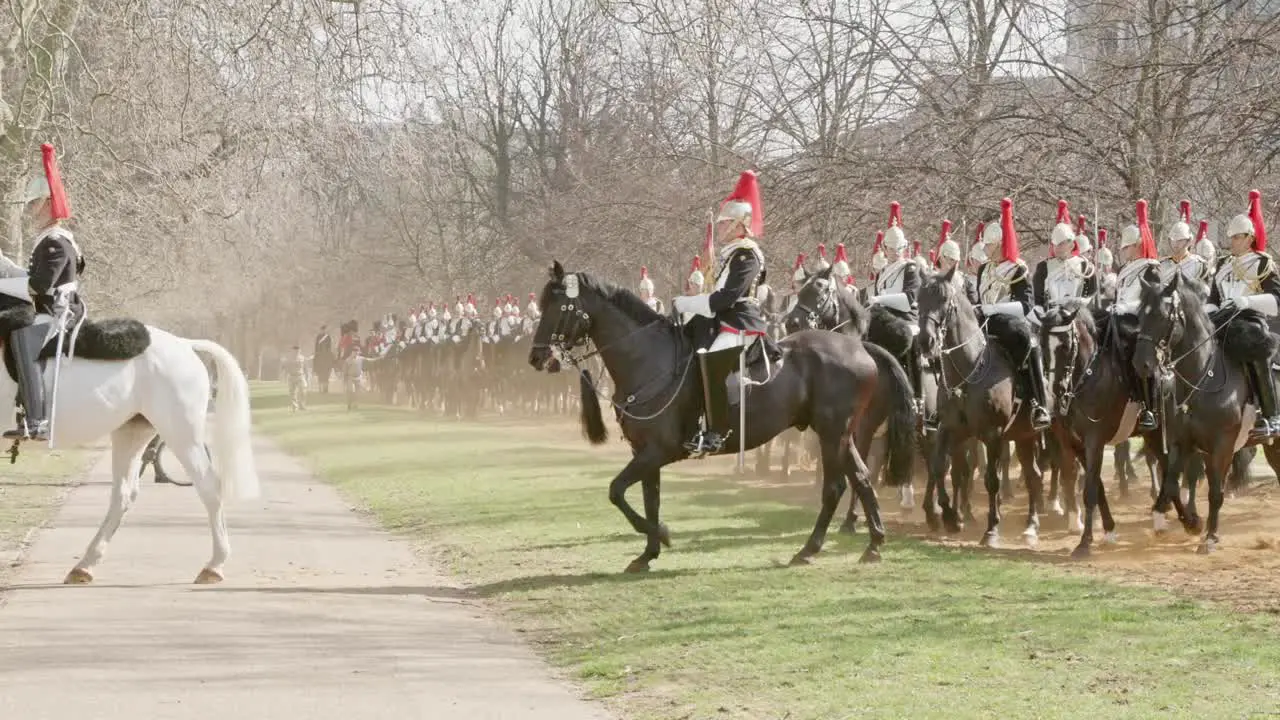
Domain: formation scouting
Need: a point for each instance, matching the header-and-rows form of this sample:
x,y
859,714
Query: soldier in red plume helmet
x,y
1246,280
733,305
52,272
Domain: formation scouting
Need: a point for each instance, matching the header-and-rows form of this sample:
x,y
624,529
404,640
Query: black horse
x,y
1214,411
1091,384
827,382
976,398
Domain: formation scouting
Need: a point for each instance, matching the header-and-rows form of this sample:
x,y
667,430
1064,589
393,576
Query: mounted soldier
x,y
919,259
1181,259
1064,274
532,310
799,276
820,262
732,304
1137,255
1206,249
693,284
841,270
646,292
895,290
52,272
1246,280
948,253
1004,288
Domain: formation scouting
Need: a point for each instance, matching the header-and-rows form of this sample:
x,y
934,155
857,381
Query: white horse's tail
x,y
232,449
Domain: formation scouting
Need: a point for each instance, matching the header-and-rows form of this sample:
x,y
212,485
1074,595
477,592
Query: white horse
x,y
162,387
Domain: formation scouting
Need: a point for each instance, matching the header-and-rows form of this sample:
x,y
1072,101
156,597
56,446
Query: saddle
x,y
1245,337
702,331
110,340
891,331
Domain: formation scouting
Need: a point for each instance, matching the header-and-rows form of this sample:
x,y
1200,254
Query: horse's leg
x,y
657,534
1034,480
1068,461
127,443
833,485
1175,465
994,450
934,483
1006,459
1238,481
634,472
1124,468
1216,467
1093,452
1192,474
1052,458
857,471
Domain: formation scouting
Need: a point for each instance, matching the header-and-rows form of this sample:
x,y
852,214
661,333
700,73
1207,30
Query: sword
x,y
57,366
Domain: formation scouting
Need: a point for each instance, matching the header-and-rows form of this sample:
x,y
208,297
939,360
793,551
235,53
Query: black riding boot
x,y
26,343
1264,388
1039,394
716,367
1147,420
915,371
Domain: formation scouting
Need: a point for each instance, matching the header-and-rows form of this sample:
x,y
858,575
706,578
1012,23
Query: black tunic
x,y
1088,288
54,263
1019,288
734,304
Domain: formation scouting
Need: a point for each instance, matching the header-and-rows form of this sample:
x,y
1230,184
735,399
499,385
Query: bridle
x,y
1169,366
936,324
827,303
572,331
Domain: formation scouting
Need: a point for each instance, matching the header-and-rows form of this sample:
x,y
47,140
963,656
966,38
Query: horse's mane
x,y
626,301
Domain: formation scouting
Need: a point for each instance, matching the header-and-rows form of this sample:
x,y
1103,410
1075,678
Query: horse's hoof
x,y
953,525
801,559
1056,508
849,527
1159,523
870,556
1031,537
208,576
991,539
1082,552
1193,525
637,566
1111,538
664,535
1206,547
78,576
1076,523
933,522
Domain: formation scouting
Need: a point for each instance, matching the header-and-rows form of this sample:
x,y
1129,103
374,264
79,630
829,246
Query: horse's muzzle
x,y
541,358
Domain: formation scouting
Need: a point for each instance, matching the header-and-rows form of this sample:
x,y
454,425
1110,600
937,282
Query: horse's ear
x,y
557,271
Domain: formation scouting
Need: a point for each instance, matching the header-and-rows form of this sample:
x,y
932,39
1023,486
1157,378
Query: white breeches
x,y
730,339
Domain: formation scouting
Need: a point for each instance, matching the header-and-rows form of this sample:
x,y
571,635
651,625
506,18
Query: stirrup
x,y
1040,418
1147,421
40,434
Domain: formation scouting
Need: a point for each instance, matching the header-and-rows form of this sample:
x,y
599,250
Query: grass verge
x,y
518,509
30,493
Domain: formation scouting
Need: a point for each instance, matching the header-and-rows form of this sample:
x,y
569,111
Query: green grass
x,y
30,491
518,509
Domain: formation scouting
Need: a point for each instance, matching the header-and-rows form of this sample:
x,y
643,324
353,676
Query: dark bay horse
x,y
1209,409
827,382
976,398
1091,383
822,303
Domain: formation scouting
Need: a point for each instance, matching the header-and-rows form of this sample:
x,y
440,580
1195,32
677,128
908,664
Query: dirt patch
x,y
1242,573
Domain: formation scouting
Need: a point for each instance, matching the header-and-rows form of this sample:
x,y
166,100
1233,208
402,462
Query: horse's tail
x,y
593,427
232,450
901,415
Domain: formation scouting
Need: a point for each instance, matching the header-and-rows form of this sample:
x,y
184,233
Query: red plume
x,y
799,262
915,249
1008,235
1148,248
644,272
876,248
1204,230
1185,211
697,264
840,253
58,205
533,296
933,258
1081,223
942,237
1064,212
978,239
748,191
1259,227
895,214
1102,237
